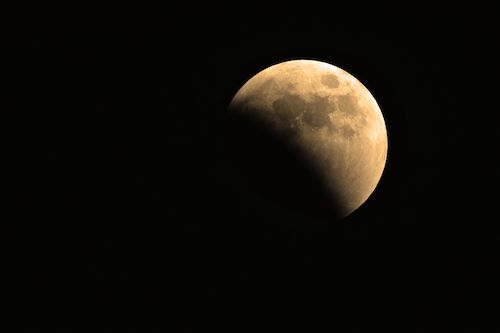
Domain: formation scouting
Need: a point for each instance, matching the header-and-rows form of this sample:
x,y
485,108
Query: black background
x,y
128,215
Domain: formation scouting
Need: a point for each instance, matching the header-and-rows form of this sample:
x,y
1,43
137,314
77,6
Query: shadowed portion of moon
x,y
305,121
274,180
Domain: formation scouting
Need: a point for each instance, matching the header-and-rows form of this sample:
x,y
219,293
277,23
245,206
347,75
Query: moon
x,y
326,115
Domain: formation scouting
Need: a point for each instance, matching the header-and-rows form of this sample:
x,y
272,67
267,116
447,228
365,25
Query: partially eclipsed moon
x,y
328,116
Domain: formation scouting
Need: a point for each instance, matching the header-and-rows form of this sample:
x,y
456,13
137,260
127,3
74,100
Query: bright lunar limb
x,y
329,116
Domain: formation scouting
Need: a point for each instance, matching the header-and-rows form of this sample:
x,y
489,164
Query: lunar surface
x,y
328,116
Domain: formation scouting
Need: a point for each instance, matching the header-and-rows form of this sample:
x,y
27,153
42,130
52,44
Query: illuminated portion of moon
x,y
329,116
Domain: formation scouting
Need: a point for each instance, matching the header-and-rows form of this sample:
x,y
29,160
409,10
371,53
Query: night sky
x,y
129,215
